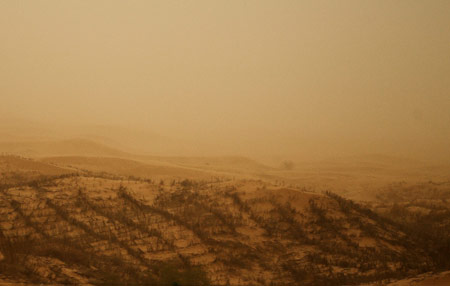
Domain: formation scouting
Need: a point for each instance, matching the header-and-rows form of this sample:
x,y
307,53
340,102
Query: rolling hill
x,y
99,229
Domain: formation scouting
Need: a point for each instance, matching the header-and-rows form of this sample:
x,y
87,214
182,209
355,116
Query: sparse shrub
x,y
172,274
287,165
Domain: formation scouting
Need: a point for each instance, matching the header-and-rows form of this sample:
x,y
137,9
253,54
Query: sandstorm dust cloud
x,y
281,79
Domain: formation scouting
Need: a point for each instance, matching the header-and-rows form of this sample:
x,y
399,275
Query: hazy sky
x,y
279,77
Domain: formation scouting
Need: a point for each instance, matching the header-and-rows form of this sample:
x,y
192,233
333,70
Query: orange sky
x,y
250,77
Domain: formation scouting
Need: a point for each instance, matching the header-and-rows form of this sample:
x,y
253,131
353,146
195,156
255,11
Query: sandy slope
x,y
240,232
358,177
60,148
16,166
126,167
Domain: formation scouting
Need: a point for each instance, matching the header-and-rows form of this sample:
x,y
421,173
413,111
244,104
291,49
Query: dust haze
x,y
249,142
271,80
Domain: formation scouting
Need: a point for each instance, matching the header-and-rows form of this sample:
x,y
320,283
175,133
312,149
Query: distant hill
x,y
361,177
224,163
20,164
356,177
127,167
73,147
131,139
15,169
87,148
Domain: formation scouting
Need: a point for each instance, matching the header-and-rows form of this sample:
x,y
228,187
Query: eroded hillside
x,y
92,229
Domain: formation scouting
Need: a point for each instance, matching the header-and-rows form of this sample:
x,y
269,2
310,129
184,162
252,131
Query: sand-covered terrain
x,y
92,225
